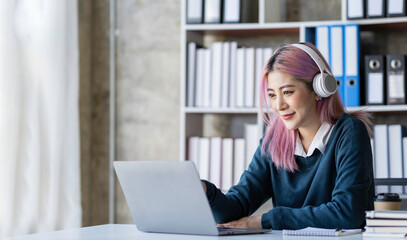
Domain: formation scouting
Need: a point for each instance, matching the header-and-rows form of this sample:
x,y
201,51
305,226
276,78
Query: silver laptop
x,y
167,197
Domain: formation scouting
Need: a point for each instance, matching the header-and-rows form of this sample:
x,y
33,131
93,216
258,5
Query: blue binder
x,y
310,35
351,62
336,61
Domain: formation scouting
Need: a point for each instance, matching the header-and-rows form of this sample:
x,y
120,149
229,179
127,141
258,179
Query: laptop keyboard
x,y
231,229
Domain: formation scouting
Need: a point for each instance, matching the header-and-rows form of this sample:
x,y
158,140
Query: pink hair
x,y
279,142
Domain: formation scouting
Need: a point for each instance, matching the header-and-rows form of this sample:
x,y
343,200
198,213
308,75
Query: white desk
x,y
130,232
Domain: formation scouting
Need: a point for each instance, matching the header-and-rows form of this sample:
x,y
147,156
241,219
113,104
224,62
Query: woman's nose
x,y
281,104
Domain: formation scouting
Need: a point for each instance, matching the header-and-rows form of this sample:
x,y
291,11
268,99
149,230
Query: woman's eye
x,y
287,92
271,95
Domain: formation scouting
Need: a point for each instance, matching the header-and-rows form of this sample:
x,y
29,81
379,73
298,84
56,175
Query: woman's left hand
x,y
252,222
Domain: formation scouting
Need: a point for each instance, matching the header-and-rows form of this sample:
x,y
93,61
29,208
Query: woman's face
x,y
292,101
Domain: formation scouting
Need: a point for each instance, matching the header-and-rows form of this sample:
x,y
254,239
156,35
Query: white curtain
x,y
39,119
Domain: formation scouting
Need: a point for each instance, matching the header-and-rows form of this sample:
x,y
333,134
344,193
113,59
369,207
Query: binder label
x,y
375,88
396,86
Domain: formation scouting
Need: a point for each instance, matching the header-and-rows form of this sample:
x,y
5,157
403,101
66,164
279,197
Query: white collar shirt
x,y
319,142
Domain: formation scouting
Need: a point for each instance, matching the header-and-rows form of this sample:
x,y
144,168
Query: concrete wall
x,y
148,80
147,93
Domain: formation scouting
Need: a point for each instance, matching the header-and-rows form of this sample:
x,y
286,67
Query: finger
x,y
233,225
229,224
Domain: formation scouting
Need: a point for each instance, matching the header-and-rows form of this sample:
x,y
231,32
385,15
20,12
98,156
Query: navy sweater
x,y
331,190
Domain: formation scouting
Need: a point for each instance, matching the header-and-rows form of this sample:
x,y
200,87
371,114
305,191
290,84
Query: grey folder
x,y
168,197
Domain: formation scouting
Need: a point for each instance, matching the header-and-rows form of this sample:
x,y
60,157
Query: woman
x,y
314,161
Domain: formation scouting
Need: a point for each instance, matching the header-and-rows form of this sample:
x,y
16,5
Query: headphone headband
x,y
317,59
324,83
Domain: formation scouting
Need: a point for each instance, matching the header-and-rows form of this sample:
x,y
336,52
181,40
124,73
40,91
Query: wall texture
x,y
147,93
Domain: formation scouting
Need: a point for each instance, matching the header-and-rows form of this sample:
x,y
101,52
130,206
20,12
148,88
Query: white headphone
x,y
324,83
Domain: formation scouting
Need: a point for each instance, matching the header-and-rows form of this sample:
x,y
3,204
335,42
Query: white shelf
x,y
378,21
289,25
222,110
380,108
242,26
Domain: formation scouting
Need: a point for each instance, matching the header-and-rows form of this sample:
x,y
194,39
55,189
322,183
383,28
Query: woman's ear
x,y
315,96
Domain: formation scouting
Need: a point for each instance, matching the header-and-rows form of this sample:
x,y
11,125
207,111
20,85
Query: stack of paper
x,y
311,231
386,224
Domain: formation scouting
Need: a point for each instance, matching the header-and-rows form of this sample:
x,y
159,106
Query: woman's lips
x,y
287,116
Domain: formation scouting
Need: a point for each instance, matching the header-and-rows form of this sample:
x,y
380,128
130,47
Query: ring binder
x,y
375,80
213,10
396,8
352,81
194,11
375,8
396,79
355,9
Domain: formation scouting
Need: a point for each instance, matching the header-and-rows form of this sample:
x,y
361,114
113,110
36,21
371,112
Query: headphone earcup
x,y
324,86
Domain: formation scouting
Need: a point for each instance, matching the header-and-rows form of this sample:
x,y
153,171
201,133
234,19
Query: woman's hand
x,y
252,222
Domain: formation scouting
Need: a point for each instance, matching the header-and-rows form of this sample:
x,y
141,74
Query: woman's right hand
x,y
204,186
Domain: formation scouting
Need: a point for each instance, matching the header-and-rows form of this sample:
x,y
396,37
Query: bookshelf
x,y
263,34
